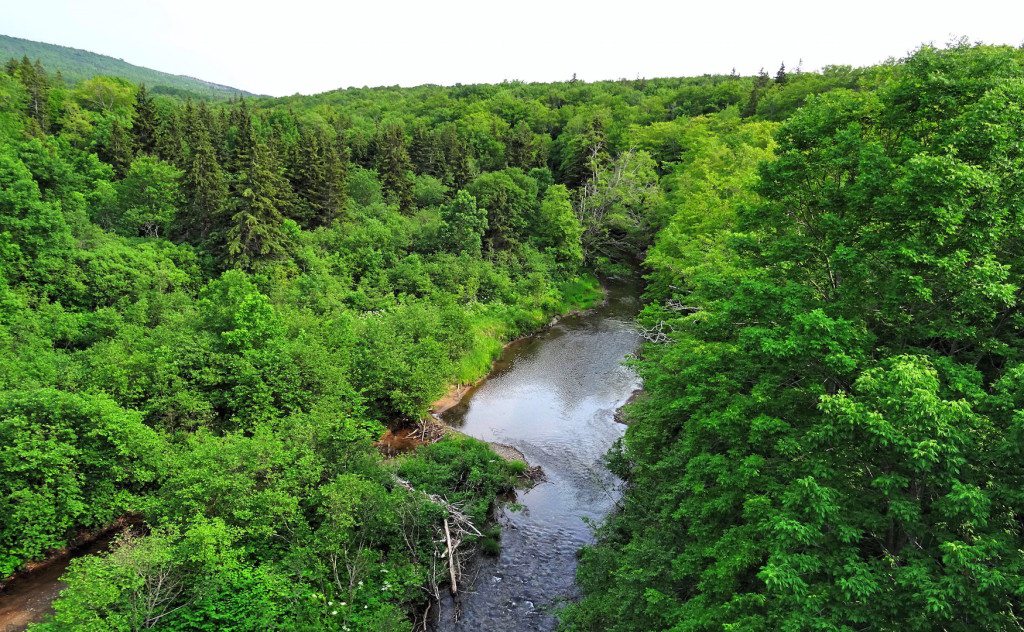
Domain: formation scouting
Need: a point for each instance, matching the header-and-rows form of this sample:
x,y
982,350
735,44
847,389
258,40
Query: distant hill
x,y
76,64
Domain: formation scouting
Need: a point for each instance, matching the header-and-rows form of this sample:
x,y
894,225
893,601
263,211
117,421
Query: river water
x,y
553,396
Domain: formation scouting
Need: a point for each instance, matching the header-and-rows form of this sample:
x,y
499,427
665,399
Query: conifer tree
x,y
241,139
761,83
519,150
780,76
209,121
583,148
204,189
145,123
424,151
258,232
318,177
456,171
168,137
117,150
393,165
33,77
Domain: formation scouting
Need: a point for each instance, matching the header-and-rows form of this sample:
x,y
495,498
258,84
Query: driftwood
x,y
454,529
451,557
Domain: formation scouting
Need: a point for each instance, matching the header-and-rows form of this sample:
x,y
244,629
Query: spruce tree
x,y
519,151
204,189
318,177
426,153
241,139
257,232
393,165
117,150
761,83
145,123
780,76
457,170
168,139
33,77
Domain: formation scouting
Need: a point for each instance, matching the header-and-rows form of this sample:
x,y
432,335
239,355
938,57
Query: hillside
x,y
76,64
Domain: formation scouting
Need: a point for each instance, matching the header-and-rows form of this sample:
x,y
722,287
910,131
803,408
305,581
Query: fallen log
x,y
451,557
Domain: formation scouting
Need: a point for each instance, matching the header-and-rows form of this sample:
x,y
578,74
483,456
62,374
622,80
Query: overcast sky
x,y
311,46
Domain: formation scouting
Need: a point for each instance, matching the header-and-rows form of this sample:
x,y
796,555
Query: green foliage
x,y
68,462
76,65
259,231
508,197
464,224
465,469
824,439
557,228
207,317
147,199
208,313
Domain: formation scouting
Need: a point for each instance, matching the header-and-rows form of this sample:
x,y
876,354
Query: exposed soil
x,y
28,596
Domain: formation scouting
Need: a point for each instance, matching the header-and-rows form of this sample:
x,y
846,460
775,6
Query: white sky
x,y
311,46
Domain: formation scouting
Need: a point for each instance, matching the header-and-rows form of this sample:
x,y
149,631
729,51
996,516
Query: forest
x,y
211,310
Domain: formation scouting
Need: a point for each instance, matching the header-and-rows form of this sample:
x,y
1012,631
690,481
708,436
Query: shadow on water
x,y
553,396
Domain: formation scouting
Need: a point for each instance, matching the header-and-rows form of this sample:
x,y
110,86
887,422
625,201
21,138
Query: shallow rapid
x,y
553,396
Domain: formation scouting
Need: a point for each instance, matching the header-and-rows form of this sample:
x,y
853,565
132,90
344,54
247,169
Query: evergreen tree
x,y
780,76
457,170
393,165
318,177
117,149
168,139
583,148
258,232
241,140
761,83
426,153
519,149
145,123
36,82
204,188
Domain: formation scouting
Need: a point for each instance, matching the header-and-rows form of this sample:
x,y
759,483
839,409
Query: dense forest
x,y
211,310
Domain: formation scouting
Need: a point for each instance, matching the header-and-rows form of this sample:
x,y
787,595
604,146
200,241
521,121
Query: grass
x,y
492,327
581,293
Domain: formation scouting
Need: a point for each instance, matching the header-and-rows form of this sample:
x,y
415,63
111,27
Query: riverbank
x,y
580,297
551,397
586,298
28,595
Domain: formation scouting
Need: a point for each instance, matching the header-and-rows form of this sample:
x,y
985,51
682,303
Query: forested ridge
x,y
75,65
209,312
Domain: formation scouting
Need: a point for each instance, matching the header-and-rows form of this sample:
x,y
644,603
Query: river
x,y
553,396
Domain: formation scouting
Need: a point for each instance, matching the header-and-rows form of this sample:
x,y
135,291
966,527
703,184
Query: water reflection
x,y
553,397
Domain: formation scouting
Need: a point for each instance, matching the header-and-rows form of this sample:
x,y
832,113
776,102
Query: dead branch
x,y
451,557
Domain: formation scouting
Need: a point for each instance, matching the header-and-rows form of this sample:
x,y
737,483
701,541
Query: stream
x,y
28,598
553,396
